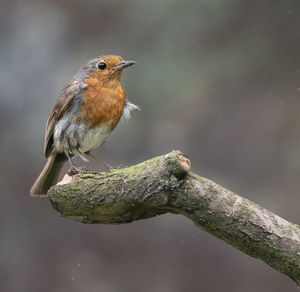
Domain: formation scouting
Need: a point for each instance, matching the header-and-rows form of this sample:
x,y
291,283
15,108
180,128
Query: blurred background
x,y
218,80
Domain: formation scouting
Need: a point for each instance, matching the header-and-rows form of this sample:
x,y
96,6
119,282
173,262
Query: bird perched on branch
x,y
87,110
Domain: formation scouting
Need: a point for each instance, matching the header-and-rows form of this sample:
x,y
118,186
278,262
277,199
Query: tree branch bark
x,y
165,185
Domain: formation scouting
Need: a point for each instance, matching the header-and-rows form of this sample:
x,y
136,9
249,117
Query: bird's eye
x,y
101,66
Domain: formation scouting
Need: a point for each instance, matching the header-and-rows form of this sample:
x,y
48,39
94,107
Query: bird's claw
x,y
75,170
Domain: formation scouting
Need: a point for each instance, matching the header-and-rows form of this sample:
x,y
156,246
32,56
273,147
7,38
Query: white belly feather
x,y
94,138
77,138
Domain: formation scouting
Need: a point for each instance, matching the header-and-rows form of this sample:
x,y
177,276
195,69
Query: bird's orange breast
x,y
103,102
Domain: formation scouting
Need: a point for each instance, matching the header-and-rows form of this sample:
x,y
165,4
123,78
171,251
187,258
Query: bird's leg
x,y
73,168
107,166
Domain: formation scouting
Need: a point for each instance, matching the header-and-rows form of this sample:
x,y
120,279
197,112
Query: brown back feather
x,y
61,107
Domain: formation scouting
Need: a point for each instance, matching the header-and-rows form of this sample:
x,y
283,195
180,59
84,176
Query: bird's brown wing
x,y
61,107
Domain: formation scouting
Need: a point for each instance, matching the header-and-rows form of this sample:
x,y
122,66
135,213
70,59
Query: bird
x,y
87,110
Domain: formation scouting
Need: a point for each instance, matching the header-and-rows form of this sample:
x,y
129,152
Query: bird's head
x,y
105,68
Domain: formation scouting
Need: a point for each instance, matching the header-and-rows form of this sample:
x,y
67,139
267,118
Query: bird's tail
x,y
49,175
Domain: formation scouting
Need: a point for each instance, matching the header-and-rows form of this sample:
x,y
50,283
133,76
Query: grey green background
x,y
218,80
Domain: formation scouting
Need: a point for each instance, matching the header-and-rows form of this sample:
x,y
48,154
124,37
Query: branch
x,y
165,185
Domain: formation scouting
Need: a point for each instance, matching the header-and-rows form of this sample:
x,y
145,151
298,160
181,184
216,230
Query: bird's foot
x,y
75,170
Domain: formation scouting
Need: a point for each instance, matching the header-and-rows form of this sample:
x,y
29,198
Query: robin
x,y
87,110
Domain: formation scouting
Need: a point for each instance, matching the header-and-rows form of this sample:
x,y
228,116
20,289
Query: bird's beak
x,y
124,65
